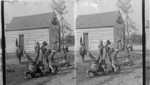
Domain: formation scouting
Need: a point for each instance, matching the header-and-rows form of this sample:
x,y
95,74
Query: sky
x,y
31,7
100,6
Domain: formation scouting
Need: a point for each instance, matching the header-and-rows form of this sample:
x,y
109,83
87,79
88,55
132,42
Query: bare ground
x,y
148,67
15,72
129,75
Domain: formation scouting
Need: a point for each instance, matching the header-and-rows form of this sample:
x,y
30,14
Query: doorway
x,y
85,40
21,41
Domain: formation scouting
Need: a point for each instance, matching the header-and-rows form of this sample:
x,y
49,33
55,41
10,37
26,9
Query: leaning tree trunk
x,y
62,32
127,29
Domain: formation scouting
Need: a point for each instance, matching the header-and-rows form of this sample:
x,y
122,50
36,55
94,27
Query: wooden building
x,y
31,29
102,26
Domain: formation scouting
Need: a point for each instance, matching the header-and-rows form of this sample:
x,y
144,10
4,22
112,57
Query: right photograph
x,y
108,42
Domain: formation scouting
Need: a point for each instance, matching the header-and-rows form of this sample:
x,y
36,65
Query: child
x,y
43,49
113,57
101,47
107,48
127,57
36,68
19,54
52,67
82,51
37,47
64,61
96,66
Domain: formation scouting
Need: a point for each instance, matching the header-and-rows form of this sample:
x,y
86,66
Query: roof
x,y
31,22
97,20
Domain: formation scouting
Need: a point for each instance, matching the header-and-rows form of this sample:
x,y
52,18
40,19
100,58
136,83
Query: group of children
x,y
37,66
99,65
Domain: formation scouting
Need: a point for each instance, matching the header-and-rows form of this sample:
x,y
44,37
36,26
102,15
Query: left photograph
x,y
39,38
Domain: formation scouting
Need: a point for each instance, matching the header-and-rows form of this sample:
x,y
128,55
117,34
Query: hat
x,y
44,43
38,43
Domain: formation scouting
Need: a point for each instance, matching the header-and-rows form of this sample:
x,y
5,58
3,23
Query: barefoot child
x,y
82,51
19,53
64,61
36,68
101,47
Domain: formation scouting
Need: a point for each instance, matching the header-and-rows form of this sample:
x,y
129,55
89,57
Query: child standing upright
x,y
101,47
19,53
82,51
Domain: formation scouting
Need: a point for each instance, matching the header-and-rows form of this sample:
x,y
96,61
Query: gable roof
x,y
97,20
31,22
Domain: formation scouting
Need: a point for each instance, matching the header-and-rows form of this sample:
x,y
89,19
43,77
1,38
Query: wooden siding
x,y
95,35
30,38
147,38
54,36
119,34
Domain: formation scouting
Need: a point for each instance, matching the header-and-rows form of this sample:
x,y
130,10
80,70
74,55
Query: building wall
x,y
94,36
30,38
147,39
119,34
54,36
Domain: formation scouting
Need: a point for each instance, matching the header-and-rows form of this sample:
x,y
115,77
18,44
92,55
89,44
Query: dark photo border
x,y
143,40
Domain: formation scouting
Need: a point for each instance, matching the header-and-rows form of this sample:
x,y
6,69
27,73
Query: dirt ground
x,y
129,75
148,68
15,72
1,76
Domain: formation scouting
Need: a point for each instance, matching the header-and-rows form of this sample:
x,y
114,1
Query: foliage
x,y
59,7
135,38
125,7
70,39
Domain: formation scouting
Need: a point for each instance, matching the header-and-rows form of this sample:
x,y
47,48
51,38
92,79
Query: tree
x,y
60,8
136,38
11,1
125,7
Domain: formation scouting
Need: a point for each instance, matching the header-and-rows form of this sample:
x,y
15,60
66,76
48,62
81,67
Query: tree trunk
x,y
62,32
127,29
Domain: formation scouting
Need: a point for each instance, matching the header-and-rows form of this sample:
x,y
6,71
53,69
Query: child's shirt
x,y
19,51
32,67
94,65
43,49
101,47
82,50
37,49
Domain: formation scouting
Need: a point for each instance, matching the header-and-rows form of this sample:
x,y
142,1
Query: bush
x,y
135,38
69,39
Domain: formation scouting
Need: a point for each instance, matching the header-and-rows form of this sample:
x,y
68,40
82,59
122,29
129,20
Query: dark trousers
x,y
83,55
19,57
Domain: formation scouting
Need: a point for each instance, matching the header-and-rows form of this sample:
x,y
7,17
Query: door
x,y
21,41
85,40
